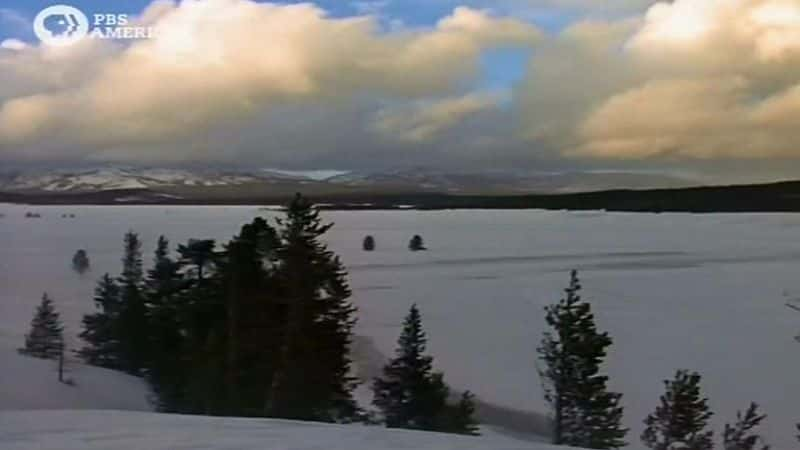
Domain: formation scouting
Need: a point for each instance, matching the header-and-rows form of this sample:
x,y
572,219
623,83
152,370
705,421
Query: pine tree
x,y
163,289
585,414
132,321
45,338
80,261
254,318
680,421
462,416
199,253
410,394
739,436
369,244
312,380
99,329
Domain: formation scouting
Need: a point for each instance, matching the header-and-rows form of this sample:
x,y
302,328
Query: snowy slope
x,y
702,292
31,383
95,430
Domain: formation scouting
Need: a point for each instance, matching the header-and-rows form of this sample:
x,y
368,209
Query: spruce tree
x,y
313,379
462,416
680,421
45,338
133,333
409,393
254,318
740,436
100,329
199,253
585,413
163,289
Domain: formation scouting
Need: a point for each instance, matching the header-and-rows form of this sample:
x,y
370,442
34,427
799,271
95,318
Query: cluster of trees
x,y
586,414
260,327
416,244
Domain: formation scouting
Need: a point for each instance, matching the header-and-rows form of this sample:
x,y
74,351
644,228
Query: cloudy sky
x,y
707,88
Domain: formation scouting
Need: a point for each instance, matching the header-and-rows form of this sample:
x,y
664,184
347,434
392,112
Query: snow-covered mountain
x,y
187,181
112,178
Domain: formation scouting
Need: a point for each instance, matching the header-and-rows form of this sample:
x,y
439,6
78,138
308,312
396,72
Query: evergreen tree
x,y
416,244
163,289
312,379
462,416
133,333
369,244
740,436
80,261
254,318
199,253
45,338
410,394
585,414
99,329
680,421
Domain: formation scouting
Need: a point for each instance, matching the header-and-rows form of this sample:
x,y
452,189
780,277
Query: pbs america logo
x,y
61,25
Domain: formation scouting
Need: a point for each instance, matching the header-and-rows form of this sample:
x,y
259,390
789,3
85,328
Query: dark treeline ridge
x,y
258,327
774,197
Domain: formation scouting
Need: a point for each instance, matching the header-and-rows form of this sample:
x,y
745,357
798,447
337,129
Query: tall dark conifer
x,y
163,289
585,413
254,317
409,393
133,333
100,331
681,418
312,379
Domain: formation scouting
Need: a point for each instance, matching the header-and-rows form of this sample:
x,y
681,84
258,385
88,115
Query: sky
x,y
703,88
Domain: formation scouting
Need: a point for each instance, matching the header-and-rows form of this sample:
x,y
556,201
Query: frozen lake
x,y
702,292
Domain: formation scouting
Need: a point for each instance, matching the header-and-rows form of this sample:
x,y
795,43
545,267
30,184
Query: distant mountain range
x,y
417,188
191,183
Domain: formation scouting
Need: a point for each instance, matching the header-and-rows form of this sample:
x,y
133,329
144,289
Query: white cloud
x,y
692,79
13,44
217,62
426,120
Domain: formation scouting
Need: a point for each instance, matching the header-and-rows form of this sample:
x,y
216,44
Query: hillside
x,y
35,386
124,430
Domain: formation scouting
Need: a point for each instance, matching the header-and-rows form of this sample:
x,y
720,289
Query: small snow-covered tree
x,y
740,436
680,421
45,338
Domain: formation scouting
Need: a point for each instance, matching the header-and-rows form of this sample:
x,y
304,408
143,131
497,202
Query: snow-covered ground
x,y
124,430
702,292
